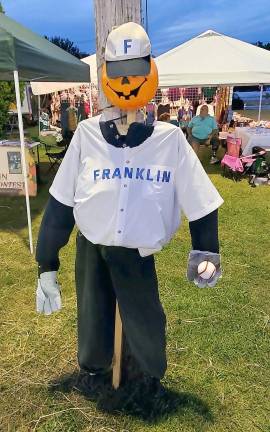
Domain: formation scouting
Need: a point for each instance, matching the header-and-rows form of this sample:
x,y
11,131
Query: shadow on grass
x,y
205,155
139,402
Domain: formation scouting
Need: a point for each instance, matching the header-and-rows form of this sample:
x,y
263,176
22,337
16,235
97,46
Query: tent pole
x,y
90,100
20,120
260,105
38,115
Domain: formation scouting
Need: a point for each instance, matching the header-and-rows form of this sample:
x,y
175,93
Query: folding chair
x,y
55,157
231,160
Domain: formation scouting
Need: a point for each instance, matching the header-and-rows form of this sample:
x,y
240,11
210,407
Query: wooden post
x,y
118,342
109,14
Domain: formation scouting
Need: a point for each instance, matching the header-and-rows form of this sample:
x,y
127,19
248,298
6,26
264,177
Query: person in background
x,y
151,110
210,108
203,130
183,123
165,117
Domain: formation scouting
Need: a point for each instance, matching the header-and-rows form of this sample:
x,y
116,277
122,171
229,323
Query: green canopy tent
x,y
25,56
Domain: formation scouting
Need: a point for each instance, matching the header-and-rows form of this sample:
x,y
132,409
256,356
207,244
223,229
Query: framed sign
x,y
11,175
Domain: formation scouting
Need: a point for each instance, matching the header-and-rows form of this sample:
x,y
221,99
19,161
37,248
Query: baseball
x,y
206,269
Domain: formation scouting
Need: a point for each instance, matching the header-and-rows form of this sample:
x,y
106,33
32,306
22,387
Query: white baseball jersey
x,y
133,196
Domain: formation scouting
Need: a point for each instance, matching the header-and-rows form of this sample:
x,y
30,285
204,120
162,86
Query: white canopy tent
x,y
41,88
212,59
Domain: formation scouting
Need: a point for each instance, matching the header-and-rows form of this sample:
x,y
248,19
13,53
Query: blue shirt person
x,y
203,130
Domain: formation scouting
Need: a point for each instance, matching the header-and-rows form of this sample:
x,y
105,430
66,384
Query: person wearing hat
x,y
126,193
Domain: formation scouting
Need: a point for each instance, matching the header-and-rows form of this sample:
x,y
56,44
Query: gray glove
x,y
48,294
195,258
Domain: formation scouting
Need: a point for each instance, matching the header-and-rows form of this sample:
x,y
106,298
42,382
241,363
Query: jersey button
x,y
117,136
125,185
119,232
121,209
127,161
111,125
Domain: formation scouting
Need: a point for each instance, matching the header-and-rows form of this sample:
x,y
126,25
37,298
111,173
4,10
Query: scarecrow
x,y
125,184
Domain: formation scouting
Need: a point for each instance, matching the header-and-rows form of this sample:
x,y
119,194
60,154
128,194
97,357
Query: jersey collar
x,y
136,135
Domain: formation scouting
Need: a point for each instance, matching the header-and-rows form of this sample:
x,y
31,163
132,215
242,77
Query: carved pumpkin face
x,y
130,92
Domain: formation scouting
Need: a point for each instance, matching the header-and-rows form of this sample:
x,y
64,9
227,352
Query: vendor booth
x,y
213,59
69,102
26,56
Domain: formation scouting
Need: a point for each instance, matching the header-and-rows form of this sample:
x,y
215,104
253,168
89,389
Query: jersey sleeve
x,y
64,184
55,229
196,194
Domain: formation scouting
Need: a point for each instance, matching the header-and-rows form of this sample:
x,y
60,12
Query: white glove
x,y
195,258
48,294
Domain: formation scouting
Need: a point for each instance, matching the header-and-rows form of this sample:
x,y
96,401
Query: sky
x,y
170,22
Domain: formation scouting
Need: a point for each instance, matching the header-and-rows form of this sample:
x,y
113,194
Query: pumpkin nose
x,y
125,80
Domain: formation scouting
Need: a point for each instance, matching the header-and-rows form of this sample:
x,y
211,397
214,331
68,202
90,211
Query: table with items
x,y
251,137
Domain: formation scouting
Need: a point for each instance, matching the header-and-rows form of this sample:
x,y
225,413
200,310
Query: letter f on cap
x,y
127,45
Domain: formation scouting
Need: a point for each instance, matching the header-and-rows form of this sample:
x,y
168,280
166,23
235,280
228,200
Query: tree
x,y
7,92
67,45
8,96
263,45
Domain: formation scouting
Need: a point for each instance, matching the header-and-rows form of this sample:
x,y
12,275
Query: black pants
x,y
104,273
214,142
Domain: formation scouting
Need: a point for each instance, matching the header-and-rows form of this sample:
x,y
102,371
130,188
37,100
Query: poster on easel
x,y
11,174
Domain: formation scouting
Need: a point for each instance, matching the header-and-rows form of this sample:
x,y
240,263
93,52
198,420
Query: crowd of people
x,y
192,111
65,109
196,119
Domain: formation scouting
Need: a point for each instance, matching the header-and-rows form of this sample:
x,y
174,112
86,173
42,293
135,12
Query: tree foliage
x,y
8,96
67,45
263,45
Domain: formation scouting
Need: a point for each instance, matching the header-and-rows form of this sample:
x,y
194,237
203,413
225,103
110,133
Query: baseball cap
x,y
127,51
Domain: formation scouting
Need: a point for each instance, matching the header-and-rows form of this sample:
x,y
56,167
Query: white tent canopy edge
x,y
213,59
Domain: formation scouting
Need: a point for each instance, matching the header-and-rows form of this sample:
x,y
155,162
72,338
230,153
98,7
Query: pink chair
x,y
235,164
231,159
233,146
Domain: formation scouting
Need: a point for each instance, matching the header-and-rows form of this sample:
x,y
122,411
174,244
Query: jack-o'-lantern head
x,y
129,75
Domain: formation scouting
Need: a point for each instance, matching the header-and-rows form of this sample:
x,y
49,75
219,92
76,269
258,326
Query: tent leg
x,y
20,120
38,115
260,105
91,101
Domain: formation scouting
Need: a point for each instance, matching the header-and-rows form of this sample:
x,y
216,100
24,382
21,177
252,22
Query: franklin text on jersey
x,y
135,173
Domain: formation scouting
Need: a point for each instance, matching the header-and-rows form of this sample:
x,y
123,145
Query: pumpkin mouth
x,y
133,92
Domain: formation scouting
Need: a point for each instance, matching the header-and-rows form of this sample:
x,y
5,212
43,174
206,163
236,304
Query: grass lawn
x,y
218,339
